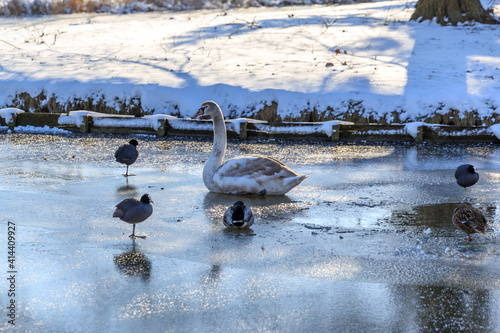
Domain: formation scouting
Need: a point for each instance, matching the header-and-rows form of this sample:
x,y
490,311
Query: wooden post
x,y
162,129
420,134
243,130
341,130
13,121
85,128
335,132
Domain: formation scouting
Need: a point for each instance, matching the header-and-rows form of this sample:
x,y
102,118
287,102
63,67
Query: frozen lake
x,y
364,244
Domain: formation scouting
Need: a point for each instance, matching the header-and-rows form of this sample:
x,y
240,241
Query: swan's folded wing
x,y
255,166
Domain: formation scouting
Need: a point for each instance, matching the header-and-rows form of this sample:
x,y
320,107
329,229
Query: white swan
x,y
251,174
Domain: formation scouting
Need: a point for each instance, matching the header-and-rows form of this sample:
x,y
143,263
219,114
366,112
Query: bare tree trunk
x,y
452,12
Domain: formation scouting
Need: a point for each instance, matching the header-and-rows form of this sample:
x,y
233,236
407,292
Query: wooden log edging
x,y
243,128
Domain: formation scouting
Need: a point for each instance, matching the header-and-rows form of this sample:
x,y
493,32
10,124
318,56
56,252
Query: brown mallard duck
x,y
238,216
469,219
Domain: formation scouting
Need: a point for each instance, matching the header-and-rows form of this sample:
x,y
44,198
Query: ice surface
x,y
347,248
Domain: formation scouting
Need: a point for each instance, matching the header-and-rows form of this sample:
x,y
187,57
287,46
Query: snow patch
x,y
108,120
9,113
327,127
382,132
155,120
295,128
412,128
181,124
235,124
495,130
122,122
40,130
76,117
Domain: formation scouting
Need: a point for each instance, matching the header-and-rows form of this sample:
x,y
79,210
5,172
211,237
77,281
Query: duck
x,y
466,176
127,154
241,175
238,216
133,210
468,219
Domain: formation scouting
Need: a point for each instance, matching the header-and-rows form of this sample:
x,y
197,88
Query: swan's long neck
x,y
218,150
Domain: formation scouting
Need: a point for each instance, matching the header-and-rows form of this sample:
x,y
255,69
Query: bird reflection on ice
x,y
134,263
127,189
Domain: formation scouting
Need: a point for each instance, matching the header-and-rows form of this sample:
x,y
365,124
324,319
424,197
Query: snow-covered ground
x,y
303,58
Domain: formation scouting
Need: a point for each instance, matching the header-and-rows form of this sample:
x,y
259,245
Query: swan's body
x,y
251,174
133,210
238,216
468,219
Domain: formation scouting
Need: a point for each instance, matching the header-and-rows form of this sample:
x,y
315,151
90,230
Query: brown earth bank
x,y
353,111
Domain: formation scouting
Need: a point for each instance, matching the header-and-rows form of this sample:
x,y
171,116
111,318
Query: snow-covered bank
x,y
363,59
161,125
